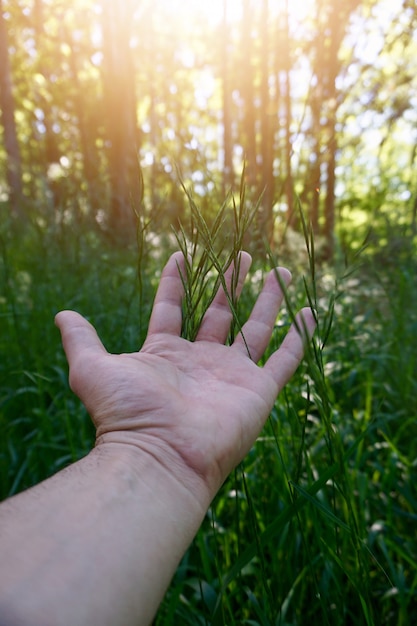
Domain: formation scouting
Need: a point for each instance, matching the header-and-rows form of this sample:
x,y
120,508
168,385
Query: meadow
x,y
318,524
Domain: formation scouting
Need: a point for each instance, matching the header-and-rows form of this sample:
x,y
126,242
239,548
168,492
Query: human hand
x,y
195,407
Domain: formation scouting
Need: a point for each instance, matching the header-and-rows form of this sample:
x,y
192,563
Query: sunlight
x,y
213,12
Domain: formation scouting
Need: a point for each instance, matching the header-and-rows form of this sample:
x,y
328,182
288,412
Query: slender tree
x,y
7,106
89,121
267,126
226,102
332,19
287,106
120,112
336,30
248,92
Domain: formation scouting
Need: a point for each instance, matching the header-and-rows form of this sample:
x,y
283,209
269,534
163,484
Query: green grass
x,y
318,524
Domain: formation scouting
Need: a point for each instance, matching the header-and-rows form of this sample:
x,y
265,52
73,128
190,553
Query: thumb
x,y
78,336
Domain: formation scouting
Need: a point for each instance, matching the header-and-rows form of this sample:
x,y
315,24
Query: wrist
x,y
149,461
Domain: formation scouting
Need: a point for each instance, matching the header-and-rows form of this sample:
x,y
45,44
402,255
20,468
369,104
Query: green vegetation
x,y
318,524
319,100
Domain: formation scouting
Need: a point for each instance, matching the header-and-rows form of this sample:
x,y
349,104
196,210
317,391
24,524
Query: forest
x,y
284,127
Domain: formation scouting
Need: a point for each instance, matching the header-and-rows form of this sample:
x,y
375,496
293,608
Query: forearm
x,y
96,544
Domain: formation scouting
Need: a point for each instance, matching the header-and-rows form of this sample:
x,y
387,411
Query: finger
x,y
283,363
217,319
77,335
166,316
257,331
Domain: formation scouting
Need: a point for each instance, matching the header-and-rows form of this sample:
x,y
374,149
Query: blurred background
x,y
317,97
288,127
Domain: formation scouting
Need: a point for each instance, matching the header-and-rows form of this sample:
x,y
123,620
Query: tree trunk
x,y
289,185
7,106
228,177
48,145
313,183
249,115
333,17
267,186
120,115
331,144
88,132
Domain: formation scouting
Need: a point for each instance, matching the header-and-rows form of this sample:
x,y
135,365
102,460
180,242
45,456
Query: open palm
x,y
197,407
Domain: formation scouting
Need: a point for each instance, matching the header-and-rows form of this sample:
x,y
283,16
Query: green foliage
x,y
42,271
317,524
209,250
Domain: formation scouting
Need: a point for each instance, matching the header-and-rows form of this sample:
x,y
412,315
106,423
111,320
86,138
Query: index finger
x,y
283,363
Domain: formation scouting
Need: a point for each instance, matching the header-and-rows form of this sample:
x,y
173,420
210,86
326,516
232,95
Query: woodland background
x,y
124,122
317,97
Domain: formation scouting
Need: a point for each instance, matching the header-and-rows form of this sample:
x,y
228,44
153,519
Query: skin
x,y
99,542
